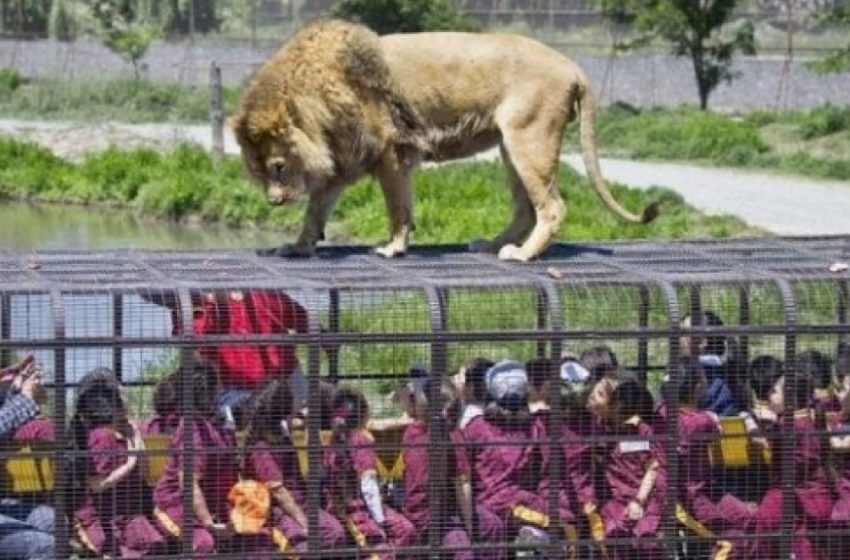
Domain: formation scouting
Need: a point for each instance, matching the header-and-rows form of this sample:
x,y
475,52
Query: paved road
x,y
780,204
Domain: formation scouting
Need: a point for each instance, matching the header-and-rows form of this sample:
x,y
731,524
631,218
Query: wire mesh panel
x,y
626,400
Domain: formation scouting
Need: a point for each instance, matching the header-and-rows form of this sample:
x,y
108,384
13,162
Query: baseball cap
x,y
507,378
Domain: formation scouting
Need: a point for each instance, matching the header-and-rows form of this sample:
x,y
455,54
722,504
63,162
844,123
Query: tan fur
x,y
338,102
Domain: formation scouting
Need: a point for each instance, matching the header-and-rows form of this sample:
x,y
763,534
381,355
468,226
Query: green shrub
x,y
10,80
404,16
825,120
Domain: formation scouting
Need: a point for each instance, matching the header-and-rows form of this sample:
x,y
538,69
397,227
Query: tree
x,y
404,16
117,25
839,61
696,29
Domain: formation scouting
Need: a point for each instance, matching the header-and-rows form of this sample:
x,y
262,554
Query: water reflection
x,y
27,227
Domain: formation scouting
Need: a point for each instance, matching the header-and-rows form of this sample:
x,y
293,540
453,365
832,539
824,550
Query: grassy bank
x,y
453,203
814,142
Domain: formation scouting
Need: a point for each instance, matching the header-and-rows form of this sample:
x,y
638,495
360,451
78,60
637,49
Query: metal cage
x,y
368,320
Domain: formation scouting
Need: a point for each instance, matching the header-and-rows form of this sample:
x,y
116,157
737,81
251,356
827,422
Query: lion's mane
x,y
328,94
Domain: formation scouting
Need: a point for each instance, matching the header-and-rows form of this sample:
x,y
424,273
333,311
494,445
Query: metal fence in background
x,y
268,366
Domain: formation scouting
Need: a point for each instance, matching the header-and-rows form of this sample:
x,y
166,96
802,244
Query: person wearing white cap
x,y
503,452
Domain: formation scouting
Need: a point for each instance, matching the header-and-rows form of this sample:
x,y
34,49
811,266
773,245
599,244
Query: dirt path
x,y
780,204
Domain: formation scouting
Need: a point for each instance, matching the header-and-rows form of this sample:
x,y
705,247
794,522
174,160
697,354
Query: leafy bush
x,y
404,16
10,80
825,120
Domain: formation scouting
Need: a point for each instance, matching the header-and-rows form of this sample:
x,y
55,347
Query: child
x,y
470,381
458,506
214,468
272,461
596,358
39,428
503,450
818,367
813,507
351,482
166,404
633,473
109,516
711,351
728,516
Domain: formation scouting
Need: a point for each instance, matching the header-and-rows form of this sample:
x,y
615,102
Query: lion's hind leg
x,y
523,218
535,153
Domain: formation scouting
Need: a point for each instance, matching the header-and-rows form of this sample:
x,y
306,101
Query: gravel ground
x,y
780,204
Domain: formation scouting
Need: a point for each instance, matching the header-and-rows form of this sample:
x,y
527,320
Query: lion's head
x,y
281,157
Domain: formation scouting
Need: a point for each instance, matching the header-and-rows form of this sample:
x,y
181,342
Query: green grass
x,y
454,203
126,100
813,142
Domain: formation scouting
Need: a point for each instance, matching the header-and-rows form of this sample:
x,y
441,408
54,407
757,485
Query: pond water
x,y
28,227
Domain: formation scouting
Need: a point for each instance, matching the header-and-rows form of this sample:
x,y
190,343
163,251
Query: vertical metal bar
x,y
695,303
671,440
789,437
117,333
542,313
843,303
547,296
643,341
5,326
314,403
333,325
437,304
744,320
60,398
187,333
216,111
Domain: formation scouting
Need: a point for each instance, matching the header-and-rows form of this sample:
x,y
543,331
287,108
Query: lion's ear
x,y
315,156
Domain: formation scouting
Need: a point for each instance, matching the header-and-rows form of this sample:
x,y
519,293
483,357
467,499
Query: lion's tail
x,y
587,111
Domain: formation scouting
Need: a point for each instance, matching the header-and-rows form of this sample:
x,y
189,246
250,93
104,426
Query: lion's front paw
x,y
390,250
512,253
289,250
483,246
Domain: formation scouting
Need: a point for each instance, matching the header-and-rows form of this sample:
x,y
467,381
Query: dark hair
x,y
98,403
476,377
764,372
510,411
327,392
349,412
203,380
686,374
573,401
714,343
799,388
449,403
539,371
633,399
598,360
817,366
267,408
165,398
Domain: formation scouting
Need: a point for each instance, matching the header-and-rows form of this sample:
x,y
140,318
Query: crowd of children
x,y
506,427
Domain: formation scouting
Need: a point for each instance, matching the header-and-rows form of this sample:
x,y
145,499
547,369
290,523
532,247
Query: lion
x,y
338,102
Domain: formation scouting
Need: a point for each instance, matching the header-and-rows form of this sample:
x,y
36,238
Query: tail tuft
x,y
650,212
